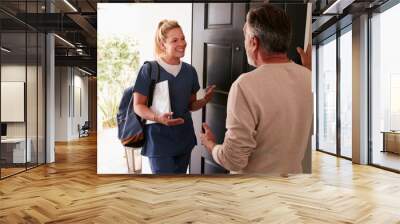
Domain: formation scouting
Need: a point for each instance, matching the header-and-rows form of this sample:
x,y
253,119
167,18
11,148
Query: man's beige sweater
x,y
269,118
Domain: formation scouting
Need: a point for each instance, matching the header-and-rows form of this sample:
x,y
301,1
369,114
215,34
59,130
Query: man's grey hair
x,y
271,26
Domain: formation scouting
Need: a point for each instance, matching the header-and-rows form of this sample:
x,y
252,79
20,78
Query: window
x,y
327,96
22,65
346,93
314,91
385,89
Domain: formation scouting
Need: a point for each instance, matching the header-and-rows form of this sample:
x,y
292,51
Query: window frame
x,y
334,37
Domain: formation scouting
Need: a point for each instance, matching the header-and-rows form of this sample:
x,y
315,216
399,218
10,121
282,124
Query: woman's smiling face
x,y
175,44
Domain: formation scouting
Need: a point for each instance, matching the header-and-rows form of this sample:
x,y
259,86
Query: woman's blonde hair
x,y
161,34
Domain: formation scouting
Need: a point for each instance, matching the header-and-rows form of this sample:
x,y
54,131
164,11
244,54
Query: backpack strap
x,y
155,78
155,67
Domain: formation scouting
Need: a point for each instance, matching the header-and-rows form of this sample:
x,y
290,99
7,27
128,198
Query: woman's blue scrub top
x,y
162,140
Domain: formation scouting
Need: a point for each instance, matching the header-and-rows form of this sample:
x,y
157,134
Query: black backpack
x,y
130,125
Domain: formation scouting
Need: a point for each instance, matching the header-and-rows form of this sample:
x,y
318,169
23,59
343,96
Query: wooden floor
x,y
10,171
70,191
387,159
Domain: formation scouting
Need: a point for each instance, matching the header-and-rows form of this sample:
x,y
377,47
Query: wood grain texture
x,y
70,191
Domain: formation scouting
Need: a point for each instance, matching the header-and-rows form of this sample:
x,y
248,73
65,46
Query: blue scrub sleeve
x,y
195,85
143,81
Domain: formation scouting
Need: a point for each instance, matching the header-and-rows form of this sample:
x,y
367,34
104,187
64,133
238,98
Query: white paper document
x,y
161,102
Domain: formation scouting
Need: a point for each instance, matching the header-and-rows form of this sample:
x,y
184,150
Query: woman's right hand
x,y
209,93
305,56
165,119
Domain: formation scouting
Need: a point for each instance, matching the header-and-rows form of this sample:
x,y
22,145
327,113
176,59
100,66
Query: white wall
x,y
61,103
80,94
33,126
70,84
13,73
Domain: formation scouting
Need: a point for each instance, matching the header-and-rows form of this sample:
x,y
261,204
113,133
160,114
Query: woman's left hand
x,y
209,93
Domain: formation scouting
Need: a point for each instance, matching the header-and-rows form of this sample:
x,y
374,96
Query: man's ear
x,y
255,42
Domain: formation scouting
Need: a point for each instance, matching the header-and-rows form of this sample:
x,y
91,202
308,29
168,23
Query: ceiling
x,y
332,15
74,22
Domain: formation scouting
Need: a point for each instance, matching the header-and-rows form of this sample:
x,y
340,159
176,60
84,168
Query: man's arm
x,y
239,140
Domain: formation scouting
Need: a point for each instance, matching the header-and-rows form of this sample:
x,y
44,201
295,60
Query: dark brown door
x,y
219,57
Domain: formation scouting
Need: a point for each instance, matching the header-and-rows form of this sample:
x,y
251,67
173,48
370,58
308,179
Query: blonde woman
x,y
169,142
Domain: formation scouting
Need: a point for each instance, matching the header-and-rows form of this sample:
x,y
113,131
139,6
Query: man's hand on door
x,y
208,138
